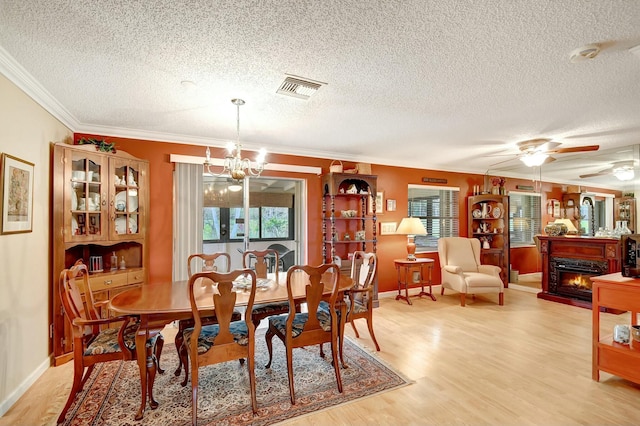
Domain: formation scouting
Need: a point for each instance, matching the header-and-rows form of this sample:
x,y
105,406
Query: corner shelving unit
x,y
342,192
488,218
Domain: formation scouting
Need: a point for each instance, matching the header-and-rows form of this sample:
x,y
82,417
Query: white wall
x,y
26,131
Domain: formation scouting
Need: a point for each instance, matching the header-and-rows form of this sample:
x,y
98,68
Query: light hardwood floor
x,y
525,363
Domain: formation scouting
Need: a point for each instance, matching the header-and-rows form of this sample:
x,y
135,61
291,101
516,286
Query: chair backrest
x,y
73,281
224,301
459,251
258,261
209,262
316,279
287,256
364,268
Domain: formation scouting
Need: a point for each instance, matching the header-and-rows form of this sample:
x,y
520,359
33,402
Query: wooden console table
x,y
617,292
405,269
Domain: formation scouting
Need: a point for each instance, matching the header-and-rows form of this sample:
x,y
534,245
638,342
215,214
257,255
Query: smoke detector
x,y
583,53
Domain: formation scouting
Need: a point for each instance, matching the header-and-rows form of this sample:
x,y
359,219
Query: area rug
x,y
112,393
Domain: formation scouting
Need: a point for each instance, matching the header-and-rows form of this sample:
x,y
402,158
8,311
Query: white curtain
x,y
187,216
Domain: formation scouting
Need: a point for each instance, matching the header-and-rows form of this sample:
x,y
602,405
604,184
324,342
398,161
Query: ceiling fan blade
x,y
600,173
585,148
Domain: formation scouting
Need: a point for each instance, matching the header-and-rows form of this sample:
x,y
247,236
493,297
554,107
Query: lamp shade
x,y
411,226
571,229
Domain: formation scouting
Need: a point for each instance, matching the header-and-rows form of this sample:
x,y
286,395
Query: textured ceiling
x,y
428,83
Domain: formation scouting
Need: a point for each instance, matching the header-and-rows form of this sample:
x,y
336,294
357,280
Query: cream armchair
x,y
461,269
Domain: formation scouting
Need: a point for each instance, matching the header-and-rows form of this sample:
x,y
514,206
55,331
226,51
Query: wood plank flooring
x,y
525,363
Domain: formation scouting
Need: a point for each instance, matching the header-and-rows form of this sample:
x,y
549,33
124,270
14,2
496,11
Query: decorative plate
x,y
121,203
477,214
497,212
121,225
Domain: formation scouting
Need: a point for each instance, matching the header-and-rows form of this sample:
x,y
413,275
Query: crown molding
x,y
11,69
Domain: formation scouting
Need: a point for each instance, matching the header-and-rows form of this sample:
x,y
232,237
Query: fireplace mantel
x,y
597,256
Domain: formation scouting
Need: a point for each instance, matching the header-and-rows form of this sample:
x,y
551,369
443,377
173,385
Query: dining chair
x,y
364,269
92,342
228,339
317,326
259,261
205,262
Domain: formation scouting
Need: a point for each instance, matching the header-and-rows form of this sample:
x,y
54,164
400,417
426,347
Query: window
x,y
271,212
437,208
524,218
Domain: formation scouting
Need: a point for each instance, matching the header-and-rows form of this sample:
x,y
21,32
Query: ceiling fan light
x,y
624,173
534,159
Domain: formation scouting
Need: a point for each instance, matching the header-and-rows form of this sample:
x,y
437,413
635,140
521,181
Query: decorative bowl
x,y
348,213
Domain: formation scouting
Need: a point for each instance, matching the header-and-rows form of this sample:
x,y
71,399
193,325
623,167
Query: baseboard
x,y
524,288
23,387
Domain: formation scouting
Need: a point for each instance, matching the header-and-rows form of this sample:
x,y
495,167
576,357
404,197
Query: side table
x,y
414,273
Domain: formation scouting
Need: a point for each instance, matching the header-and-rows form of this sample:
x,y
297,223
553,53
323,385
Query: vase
x,y
495,190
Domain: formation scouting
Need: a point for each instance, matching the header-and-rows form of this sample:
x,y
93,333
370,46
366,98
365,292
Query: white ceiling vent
x,y
584,53
298,87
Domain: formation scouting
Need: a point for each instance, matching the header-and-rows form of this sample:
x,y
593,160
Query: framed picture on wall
x,y
17,195
391,205
388,228
379,203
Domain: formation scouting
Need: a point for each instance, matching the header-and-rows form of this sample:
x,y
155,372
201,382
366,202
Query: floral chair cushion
x,y
107,341
300,319
267,309
209,333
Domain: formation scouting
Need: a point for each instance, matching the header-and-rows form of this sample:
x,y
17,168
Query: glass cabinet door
x,y
126,180
85,196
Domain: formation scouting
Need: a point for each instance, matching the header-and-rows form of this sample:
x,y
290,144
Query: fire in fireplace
x,y
576,280
572,277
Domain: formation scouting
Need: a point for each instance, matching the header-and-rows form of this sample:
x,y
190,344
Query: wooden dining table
x,y
158,304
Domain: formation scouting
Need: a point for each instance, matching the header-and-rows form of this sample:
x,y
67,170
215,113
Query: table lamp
x,y
411,226
571,229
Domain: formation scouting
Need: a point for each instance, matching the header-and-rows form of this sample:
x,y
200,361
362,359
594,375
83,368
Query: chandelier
x,y
234,166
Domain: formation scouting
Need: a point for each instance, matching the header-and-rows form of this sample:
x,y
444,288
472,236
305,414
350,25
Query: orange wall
x,y
392,181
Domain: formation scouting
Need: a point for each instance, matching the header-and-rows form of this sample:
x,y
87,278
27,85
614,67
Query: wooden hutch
x,y
100,203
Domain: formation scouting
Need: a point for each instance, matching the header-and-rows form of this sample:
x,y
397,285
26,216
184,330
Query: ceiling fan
x,y
535,152
623,170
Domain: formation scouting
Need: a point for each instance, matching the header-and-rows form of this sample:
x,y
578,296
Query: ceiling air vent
x,y
298,88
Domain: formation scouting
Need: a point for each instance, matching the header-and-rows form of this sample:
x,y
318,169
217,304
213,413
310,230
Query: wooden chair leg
x,y
501,299
194,392
441,290
336,367
252,382
269,339
355,330
158,352
373,336
292,391
151,376
78,369
184,359
178,341
463,298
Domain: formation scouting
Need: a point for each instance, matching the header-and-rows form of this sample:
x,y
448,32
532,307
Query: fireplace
x,y
572,277
568,263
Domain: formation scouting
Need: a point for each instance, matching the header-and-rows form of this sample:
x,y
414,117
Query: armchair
x,y
462,271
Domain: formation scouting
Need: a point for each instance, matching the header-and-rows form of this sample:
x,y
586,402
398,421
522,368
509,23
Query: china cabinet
x,y
100,215
625,210
488,219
